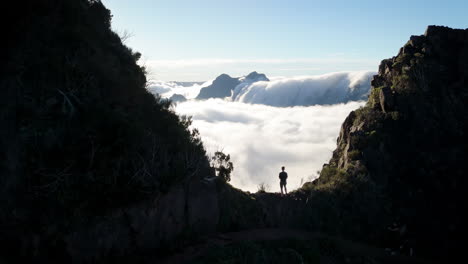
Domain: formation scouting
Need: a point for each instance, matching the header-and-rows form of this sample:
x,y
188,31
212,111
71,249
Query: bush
x,y
223,165
354,154
262,188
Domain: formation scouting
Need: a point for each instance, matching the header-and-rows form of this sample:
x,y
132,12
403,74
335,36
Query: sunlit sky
x,y
188,40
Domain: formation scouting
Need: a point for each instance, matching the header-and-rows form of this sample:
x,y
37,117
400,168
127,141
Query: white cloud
x,y
167,89
262,138
331,88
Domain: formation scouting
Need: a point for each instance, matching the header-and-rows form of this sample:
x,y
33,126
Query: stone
x,y
386,99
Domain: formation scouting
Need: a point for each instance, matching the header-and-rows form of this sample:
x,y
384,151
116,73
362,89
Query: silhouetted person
x,y
283,176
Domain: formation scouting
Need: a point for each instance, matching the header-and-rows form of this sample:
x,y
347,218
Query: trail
x,y
345,246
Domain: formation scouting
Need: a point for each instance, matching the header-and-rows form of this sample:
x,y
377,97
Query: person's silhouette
x,y
283,176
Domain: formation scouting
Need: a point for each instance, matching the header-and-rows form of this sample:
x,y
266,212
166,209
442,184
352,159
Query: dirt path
x,y
345,246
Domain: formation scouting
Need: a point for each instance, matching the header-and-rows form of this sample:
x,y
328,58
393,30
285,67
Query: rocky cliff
x,y
91,164
403,156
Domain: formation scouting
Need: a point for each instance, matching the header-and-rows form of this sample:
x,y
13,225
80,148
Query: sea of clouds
x,y
332,88
189,90
261,139
261,135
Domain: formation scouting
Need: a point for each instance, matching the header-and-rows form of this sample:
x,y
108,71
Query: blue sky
x,y
198,40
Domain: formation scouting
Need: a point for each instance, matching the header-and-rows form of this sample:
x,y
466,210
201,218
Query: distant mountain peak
x,y
257,76
224,84
223,76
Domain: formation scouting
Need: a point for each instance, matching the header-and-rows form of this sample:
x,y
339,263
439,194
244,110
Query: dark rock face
x,y
386,99
150,225
91,164
408,145
224,84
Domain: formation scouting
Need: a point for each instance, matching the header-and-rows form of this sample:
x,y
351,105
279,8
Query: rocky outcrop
x,y
408,145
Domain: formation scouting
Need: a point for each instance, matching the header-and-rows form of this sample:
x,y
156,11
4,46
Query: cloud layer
x,y
331,88
189,90
262,138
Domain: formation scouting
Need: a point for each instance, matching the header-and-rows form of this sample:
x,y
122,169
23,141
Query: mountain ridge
x,y
406,147
94,168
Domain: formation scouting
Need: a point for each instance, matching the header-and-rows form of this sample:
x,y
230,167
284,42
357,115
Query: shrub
x,y
354,154
262,188
223,165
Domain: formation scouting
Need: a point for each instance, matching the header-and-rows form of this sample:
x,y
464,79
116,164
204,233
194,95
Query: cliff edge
x,y
402,157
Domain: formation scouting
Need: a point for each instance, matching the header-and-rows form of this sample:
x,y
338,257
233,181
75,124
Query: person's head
x,y
282,168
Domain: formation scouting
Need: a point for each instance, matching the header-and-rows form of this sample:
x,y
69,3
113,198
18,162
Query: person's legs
x,y
281,186
285,189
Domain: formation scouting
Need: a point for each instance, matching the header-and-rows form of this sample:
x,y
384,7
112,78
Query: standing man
x,y
283,176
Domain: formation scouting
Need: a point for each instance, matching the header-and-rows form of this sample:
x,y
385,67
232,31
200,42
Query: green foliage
x,y
223,165
401,60
369,116
401,83
374,97
354,154
328,175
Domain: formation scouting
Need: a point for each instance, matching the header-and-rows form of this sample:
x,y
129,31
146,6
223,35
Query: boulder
x,y
386,99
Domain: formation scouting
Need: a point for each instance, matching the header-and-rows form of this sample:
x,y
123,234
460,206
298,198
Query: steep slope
x,y
91,163
403,156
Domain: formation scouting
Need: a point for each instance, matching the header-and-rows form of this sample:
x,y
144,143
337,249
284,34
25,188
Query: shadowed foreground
x,y
276,245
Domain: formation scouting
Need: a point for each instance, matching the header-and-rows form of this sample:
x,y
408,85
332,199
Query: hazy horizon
x,y
183,40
